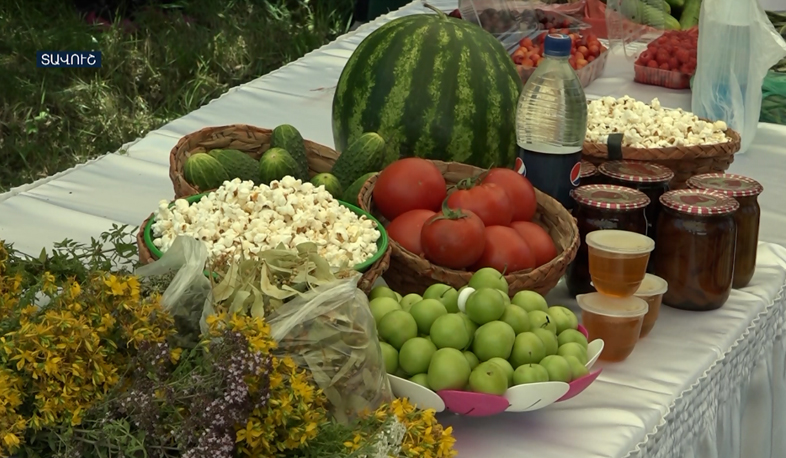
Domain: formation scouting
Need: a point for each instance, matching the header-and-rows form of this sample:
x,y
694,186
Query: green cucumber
x,y
353,191
690,14
642,13
364,155
288,138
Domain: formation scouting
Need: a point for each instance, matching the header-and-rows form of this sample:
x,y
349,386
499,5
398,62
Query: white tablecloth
x,y
707,385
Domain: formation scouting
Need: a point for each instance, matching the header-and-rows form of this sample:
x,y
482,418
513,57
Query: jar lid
x,y
636,171
610,197
699,202
727,183
587,169
652,285
617,307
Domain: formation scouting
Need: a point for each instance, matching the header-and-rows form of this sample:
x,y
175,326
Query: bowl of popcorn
x,y
629,129
239,220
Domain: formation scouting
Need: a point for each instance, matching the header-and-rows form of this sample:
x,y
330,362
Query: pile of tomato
x,y
486,221
673,51
585,49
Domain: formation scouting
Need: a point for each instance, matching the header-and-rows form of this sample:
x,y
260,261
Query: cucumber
x,y
676,4
690,14
288,138
353,191
665,6
642,13
362,156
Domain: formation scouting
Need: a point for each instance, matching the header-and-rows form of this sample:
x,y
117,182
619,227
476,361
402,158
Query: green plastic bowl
x,y
382,241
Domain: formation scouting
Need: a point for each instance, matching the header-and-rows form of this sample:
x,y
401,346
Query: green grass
x,y
52,119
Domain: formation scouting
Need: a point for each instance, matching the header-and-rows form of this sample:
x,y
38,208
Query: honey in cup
x,y
615,320
618,260
651,290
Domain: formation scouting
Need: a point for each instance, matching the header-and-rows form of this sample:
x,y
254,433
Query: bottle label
x,y
553,174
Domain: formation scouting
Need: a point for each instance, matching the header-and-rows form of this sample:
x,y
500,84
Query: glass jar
x,y
746,192
589,173
602,206
651,179
694,251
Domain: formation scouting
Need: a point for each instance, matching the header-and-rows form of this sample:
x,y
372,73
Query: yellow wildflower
x,y
11,441
117,288
174,355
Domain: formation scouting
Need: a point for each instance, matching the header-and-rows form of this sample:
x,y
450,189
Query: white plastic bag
x,y
330,331
188,298
737,46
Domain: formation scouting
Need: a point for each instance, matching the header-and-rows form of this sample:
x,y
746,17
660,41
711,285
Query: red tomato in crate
x,y
409,184
488,201
453,238
505,251
539,241
519,190
406,229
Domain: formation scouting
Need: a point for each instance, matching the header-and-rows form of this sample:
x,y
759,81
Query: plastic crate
x,y
660,77
587,74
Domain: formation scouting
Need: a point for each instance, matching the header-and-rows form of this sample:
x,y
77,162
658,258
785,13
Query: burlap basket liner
x,y
410,273
684,161
253,141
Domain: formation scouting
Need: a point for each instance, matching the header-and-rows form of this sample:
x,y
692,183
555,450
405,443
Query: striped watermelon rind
x,y
204,172
433,87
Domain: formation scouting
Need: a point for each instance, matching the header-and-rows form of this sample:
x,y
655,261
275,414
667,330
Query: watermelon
x,y
275,164
433,87
237,164
330,182
204,172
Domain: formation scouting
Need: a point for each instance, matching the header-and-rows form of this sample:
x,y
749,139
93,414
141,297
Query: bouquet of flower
x,y
91,366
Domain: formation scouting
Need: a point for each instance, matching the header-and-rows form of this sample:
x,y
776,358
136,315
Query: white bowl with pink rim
x,y
519,398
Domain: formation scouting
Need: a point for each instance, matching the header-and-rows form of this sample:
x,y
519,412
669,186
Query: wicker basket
x,y
684,161
410,273
254,141
251,140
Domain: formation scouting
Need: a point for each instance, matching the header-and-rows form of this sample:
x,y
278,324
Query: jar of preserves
x,y
589,173
651,179
602,206
694,251
746,192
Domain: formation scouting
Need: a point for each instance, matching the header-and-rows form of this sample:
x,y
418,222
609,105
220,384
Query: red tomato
x,y
406,229
538,239
518,189
505,251
409,184
487,200
453,238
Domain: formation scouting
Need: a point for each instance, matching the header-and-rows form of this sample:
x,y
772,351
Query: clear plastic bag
x,y
188,298
331,332
737,46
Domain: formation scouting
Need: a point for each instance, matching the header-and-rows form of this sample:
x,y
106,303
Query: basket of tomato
x,y
446,220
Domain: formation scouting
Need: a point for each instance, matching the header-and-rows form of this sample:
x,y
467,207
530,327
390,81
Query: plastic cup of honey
x,y
616,320
651,290
618,260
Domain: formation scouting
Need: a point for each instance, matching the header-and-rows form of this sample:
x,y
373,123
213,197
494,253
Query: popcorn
x,y
240,219
649,126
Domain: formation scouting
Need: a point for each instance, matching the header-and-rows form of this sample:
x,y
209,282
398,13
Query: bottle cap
x,y
557,45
